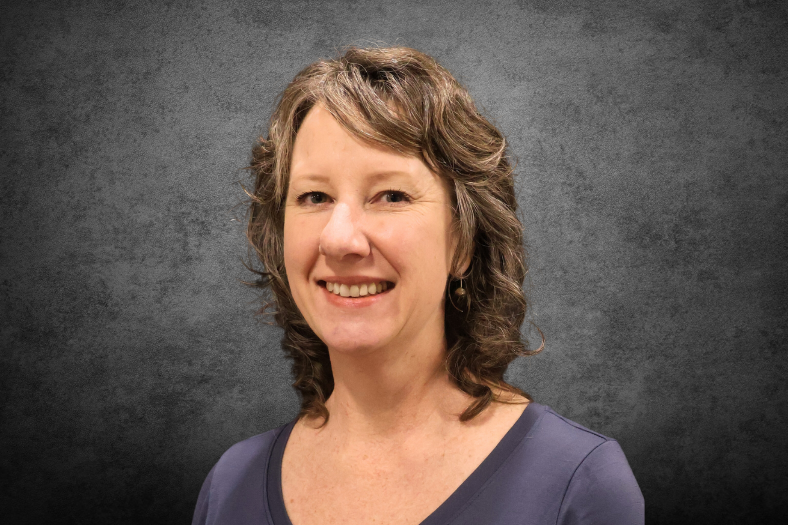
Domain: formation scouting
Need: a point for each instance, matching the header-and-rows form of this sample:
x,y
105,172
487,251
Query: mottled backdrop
x,y
652,145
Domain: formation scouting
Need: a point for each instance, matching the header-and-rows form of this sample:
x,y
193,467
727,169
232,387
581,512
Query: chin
x,y
353,336
350,345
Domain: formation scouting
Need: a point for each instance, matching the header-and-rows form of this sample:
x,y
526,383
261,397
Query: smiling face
x,y
362,216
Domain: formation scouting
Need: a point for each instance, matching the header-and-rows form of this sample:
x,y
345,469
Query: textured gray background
x,y
651,139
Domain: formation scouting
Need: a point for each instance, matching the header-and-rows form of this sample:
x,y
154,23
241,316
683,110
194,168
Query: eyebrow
x,y
376,176
313,177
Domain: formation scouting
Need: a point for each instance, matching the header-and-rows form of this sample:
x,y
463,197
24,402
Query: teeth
x,y
356,290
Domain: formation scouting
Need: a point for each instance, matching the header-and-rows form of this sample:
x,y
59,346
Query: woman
x,y
384,216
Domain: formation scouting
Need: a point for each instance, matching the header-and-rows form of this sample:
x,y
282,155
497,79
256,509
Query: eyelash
x,y
302,198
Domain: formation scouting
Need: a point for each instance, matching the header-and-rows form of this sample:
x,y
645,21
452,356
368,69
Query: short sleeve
x,y
603,491
201,509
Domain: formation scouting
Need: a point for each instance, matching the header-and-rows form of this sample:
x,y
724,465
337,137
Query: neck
x,y
391,391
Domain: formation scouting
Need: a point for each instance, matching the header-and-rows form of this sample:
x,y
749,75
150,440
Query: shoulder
x,y
245,454
234,484
559,443
564,432
598,484
550,469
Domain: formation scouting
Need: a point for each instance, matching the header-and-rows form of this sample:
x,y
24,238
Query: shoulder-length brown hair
x,y
404,100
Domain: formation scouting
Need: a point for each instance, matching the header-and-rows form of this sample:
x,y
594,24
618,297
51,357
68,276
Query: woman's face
x,y
358,216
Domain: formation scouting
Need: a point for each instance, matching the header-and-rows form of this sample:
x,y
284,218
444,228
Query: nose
x,y
342,236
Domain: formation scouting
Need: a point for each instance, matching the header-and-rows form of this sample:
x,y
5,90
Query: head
x,y
399,103
361,217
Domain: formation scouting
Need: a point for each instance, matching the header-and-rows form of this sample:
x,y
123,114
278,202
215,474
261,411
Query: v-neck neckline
x,y
446,511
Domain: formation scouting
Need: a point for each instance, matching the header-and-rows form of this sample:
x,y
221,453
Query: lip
x,y
350,280
353,302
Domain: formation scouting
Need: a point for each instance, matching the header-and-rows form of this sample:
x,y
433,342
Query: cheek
x,y
300,251
421,250
289,247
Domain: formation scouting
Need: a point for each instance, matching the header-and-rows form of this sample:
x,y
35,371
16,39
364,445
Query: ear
x,y
463,231
462,247
463,254
466,262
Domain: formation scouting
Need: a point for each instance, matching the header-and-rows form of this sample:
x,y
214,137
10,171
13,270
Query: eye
x,y
394,197
313,198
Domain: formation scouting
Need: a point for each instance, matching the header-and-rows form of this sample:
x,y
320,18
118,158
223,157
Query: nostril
x,y
343,235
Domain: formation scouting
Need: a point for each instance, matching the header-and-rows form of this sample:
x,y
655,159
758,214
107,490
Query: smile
x,y
357,290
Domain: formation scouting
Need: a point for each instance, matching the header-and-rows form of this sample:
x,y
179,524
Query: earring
x,y
460,292
462,297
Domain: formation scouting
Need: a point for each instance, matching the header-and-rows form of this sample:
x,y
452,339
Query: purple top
x,y
545,470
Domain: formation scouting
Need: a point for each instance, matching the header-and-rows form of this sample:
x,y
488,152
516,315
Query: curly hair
x,y
404,100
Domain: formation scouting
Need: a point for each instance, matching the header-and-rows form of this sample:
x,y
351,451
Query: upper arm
x,y
201,509
603,490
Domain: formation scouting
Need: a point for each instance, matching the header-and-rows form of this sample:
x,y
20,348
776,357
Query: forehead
x,y
324,149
